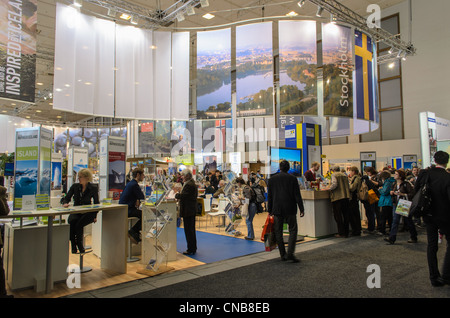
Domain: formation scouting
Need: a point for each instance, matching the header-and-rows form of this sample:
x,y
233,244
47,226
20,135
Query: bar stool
x,y
130,258
84,269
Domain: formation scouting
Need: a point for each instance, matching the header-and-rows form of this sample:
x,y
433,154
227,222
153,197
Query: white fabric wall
x,y
8,125
112,70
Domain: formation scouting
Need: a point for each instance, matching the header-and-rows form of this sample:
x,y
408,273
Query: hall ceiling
x,y
225,11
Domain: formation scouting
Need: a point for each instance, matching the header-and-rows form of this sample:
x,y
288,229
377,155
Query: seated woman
x,y
82,193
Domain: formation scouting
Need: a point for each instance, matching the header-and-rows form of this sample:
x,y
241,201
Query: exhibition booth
x,y
226,121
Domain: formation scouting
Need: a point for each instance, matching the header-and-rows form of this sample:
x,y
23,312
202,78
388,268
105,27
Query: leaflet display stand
x,y
159,236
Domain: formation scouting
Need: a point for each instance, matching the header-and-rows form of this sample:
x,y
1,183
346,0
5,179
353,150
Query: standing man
x,y
439,221
188,209
283,199
132,196
311,174
340,195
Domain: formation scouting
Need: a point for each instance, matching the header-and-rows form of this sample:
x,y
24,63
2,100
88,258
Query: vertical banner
x,y
18,21
214,74
254,70
78,159
116,165
26,165
298,65
45,161
337,70
364,77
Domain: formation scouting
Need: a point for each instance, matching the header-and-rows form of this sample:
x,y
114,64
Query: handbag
x,y
421,202
403,207
372,196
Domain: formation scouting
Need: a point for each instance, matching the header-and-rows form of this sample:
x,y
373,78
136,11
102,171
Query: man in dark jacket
x,y
188,209
283,198
439,222
132,196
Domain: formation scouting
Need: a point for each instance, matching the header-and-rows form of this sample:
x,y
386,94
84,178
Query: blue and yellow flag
x,y
364,77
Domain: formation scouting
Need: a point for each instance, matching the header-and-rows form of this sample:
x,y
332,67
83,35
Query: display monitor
x,y
292,155
9,169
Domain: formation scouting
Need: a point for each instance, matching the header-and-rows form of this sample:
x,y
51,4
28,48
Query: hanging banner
x,y
337,70
254,70
116,165
214,74
298,65
364,77
18,20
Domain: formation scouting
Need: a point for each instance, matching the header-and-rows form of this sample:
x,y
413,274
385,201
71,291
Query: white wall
x,y
8,125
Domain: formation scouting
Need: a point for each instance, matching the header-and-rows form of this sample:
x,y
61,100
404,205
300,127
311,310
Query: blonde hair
x,y
85,173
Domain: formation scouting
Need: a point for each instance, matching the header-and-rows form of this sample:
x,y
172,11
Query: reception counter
x,y
318,220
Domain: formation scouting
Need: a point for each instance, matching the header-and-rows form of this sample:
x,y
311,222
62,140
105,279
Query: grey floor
x,y
329,268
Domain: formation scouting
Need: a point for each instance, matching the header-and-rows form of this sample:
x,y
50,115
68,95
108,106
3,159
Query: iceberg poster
x,y
254,70
45,161
214,74
27,163
298,68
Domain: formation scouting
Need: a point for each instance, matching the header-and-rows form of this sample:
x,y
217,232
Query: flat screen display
x,y
292,155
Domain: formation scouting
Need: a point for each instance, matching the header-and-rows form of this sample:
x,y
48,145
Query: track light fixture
x,y
190,10
301,3
204,3
111,13
180,16
391,50
319,12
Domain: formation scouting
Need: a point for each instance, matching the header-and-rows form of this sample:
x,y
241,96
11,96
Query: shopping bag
x,y
270,242
268,227
372,197
403,207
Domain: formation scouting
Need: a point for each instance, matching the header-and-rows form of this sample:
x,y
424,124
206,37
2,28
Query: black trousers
x,y
354,217
2,275
189,232
432,236
135,213
77,222
291,221
341,215
386,216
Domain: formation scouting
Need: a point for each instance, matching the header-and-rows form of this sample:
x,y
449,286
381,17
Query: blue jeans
x,y
249,221
408,222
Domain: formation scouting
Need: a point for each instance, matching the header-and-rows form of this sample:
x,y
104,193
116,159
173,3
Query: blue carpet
x,y
212,247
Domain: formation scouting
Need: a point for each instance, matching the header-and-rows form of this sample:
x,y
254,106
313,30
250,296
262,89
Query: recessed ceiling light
x,y
40,84
292,14
209,16
38,111
58,116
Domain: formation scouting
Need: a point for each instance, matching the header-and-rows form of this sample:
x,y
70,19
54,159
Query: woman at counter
x,y
83,193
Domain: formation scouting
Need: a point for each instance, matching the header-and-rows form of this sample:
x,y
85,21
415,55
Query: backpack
x,y
258,194
421,202
363,192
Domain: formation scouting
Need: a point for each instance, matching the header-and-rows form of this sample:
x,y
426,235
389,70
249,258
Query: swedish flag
x,y
364,77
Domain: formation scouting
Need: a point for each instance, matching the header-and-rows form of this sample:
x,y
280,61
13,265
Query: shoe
x,y
412,241
134,237
437,282
292,258
248,238
188,253
389,240
340,236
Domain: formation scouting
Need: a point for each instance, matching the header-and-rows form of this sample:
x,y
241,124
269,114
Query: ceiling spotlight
x,y
391,50
399,54
133,20
208,16
301,3
111,13
190,10
404,56
77,3
319,12
333,19
125,16
204,3
180,16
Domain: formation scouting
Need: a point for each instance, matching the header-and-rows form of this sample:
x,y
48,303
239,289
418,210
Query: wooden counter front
x,y
315,195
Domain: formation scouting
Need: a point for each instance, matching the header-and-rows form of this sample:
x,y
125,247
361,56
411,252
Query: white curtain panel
x,y
84,67
162,42
180,76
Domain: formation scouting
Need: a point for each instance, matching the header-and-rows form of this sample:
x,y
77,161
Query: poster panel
x,y
214,74
364,77
27,157
298,65
337,70
116,167
18,23
254,70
